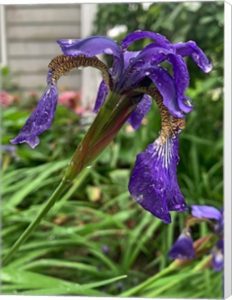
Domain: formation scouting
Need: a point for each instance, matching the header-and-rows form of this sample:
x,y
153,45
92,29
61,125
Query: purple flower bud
x,y
105,249
183,247
218,256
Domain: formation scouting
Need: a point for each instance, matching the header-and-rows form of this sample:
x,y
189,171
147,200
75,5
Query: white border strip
x,y
3,58
227,137
15,2
227,151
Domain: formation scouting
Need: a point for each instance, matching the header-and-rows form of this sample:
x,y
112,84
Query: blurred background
x,y
96,233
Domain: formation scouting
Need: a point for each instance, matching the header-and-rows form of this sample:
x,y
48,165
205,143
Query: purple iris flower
x,y
212,213
137,74
183,247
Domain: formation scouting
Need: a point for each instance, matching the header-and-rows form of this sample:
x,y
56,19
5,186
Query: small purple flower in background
x,y
105,249
212,213
9,149
138,76
184,248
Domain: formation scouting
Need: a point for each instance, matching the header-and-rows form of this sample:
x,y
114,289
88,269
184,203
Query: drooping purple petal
x,y
140,112
139,34
207,212
40,119
92,46
190,48
218,256
153,183
101,96
183,247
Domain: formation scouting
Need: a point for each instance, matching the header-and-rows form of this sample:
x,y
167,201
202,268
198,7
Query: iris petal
x,y
40,119
190,48
182,248
173,89
140,66
181,78
151,56
140,112
207,212
139,34
92,46
129,56
153,181
101,96
166,86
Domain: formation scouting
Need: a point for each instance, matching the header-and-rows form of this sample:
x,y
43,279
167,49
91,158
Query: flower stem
x,y
106,125
62,187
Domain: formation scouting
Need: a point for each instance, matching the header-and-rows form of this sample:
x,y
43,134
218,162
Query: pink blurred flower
x,y
71,99
6,99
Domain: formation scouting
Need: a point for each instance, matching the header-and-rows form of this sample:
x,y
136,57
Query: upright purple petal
x,y
101,96
151,56
146,63
207,212
140,112
153,183
139,34
167,88
150,53
183,247
92,46
181,79
40,119
140,66
190,48
129,57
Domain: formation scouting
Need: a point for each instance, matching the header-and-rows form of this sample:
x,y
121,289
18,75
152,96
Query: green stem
x,y
107,123
199,267
51,201
133,291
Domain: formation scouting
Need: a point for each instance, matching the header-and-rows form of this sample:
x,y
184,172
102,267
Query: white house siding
x,y
31,34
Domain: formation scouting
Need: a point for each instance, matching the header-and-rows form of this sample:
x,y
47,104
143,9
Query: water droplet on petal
x,y
208,68
188,102
108,51
147,73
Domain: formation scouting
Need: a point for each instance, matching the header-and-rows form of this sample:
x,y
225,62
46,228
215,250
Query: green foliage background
x,y
107,245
